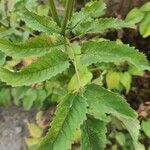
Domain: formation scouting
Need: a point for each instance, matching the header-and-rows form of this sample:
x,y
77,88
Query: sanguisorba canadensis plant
x,y
87,106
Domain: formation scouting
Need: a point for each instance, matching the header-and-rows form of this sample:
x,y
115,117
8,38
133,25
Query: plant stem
x,y
74,61
54,11
68,14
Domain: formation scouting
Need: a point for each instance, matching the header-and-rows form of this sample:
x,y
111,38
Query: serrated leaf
x,y
93,134
70,114
107,101
92,9
102,101
134,16
100,25
36,46
40,23
110,51
145,26
85,77
42,69
133,127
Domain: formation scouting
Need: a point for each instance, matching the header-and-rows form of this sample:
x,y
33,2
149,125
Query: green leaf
x,y
36,46
145,26
2,58
42,69
102,101
110,51
5,97
133,127
100,25
120,137
85,77
71,113
92,9
146,127
18,93
112,80
40,23
145,7
134,16
126,80
29,99
93,134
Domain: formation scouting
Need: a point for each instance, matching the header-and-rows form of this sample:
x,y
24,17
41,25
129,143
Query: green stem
x,y
68,14
54,11
74,61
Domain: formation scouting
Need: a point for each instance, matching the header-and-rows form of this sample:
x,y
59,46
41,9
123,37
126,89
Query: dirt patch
x,y
13,128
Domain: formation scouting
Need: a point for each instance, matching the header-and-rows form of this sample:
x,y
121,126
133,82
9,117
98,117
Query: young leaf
x,y
71,113
134,16
145,7
42,69
91,10
146,127
34,130
100,25
85,77
104,101
40,23
36,46
93,134
29,99
110,51
145,26
126,80
112,80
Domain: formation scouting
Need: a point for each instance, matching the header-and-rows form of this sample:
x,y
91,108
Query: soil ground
x,y
13,128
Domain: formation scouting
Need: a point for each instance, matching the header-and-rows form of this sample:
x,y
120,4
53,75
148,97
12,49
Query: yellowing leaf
x,y
126,80
112,80
85,77
34,130
32,141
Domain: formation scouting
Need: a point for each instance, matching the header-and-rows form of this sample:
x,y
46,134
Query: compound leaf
x,y
93,134
42,69
110,51
71,113
40,23
36,46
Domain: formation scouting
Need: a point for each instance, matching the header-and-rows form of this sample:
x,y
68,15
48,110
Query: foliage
x,y
142,17
61,70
